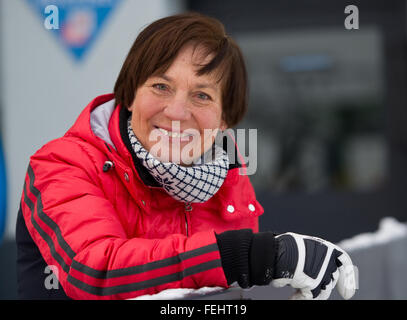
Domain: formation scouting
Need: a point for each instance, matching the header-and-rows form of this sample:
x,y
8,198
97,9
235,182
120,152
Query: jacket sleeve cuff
x,y
234,247
262,258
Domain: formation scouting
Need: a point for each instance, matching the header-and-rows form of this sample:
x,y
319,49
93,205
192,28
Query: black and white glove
x,y
313,266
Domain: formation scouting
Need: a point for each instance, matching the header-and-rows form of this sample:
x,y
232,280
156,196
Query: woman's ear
x,y
131,106
223,126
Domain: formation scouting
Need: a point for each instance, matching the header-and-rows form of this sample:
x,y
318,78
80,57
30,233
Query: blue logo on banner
x,y
76,23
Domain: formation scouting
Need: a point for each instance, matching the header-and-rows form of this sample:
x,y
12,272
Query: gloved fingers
x,y
330,270
306,294
302,294
326,291
282,282
347,281
335,277
297,296
324,295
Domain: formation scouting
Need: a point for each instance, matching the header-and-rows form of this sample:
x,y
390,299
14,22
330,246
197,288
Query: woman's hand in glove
x,y
314,266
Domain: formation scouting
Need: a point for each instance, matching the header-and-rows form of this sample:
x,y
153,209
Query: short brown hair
x,y
158,44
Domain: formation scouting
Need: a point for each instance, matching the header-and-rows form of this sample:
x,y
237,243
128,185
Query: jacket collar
x,y
142,171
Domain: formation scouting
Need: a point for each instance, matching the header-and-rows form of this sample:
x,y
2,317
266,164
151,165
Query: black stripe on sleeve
x,y
43,234
106,274
47,220
141,285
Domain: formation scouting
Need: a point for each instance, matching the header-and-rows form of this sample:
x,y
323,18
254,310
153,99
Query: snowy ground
x,y
389,229
174,294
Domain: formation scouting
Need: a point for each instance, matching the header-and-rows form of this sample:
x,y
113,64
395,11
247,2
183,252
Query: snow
x,y
389,229
174,294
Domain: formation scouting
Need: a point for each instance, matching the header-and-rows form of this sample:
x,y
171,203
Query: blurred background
x,y
328,103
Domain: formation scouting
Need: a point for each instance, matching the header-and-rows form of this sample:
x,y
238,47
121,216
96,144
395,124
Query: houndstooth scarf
x,y
197,183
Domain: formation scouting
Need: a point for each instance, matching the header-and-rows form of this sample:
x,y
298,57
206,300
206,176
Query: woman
x,y
136,197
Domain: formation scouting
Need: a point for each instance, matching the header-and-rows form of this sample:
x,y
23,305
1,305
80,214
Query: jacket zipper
x,y
187,208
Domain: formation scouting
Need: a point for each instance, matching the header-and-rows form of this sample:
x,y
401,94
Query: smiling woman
x,y
179,105
138,196
180,83
216,56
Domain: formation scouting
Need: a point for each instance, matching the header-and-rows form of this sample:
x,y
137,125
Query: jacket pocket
x,y
236,209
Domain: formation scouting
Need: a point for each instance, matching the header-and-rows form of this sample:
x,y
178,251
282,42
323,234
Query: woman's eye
x,y
160,86
203,96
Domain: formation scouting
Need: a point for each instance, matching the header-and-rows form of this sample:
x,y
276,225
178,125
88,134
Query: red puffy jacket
x,y
112,235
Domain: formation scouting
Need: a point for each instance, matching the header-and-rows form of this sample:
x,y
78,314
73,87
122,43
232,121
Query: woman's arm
x,y
78,230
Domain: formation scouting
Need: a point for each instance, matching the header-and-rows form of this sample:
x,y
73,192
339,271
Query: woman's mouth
x,y
174,134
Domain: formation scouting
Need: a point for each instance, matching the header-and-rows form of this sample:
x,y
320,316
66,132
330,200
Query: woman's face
x,y
176,115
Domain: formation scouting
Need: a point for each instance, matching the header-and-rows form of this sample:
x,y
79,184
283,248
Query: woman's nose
x,y
177,109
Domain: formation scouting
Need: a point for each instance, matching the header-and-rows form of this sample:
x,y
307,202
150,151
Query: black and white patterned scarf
x,y
197,183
